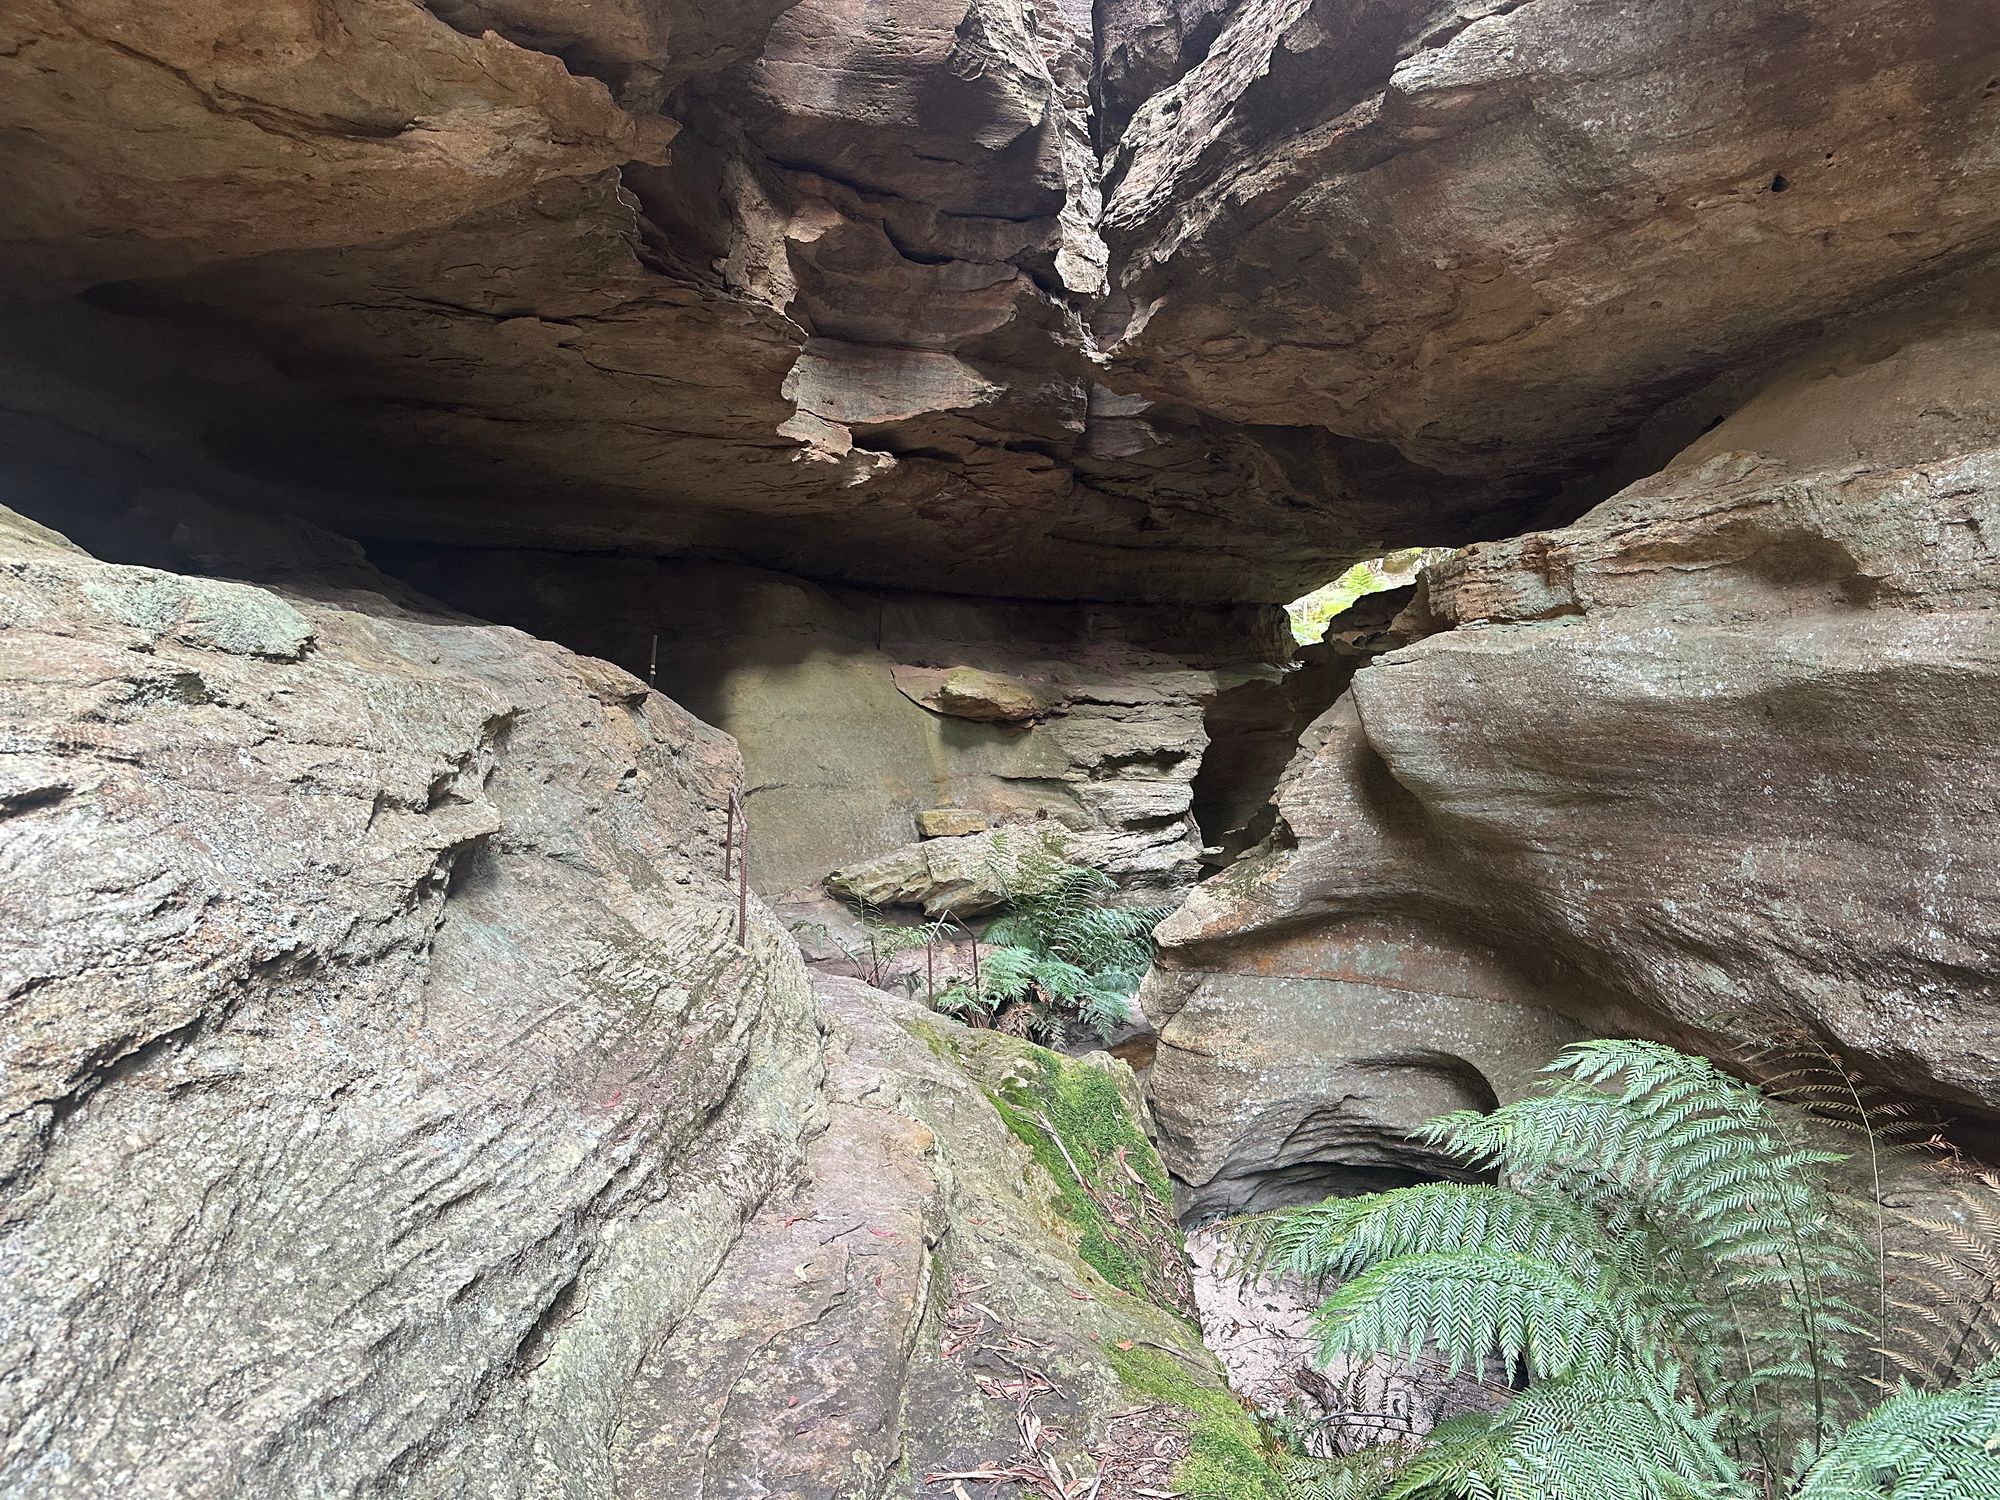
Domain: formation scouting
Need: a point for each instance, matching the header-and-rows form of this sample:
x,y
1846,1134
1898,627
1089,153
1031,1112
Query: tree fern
x,y
1472,1305
1342,1237
1668,1146
1796,1065
1693,1303
1061,949
1589,1436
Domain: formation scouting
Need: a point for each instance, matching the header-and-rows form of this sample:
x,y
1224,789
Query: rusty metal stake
x,y
742,820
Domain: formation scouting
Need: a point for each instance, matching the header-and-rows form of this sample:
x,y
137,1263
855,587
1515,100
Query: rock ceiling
x,y
1173,302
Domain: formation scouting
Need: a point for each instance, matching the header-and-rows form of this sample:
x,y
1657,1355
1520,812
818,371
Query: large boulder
x,y
1305,1063
384,1075
934,1301
1715,752
393,1098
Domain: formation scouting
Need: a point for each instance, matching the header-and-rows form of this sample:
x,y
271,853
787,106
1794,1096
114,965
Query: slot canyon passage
x,y
537,532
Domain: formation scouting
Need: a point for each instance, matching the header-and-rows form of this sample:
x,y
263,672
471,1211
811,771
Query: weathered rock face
x,y
1254,728
391,1104
1717,751
846,295
856,711
838,327
384,1077
896,1316
1297,1065
1500,235
388,1101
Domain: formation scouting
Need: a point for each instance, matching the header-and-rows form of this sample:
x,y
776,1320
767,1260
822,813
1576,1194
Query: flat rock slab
x,y
949,822
974,693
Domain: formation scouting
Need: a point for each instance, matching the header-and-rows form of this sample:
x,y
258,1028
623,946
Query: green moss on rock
x,y
1228,1455
1109,1182
934,1038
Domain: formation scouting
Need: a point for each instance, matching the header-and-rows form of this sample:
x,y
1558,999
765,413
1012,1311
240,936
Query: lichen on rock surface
x,y
384,1076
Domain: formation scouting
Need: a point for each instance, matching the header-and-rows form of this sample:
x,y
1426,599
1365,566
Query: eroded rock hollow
x,y
505,498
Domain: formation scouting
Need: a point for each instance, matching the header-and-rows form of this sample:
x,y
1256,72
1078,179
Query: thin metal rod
x,y
742,873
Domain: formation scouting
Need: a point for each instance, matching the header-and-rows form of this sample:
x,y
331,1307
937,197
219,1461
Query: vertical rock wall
x,y
1098,730
384,1076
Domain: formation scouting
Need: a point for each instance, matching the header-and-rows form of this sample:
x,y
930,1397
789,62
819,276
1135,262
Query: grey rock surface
x,y
390,1106
815,685
895,1316
1719,752
1293,1065
383,1076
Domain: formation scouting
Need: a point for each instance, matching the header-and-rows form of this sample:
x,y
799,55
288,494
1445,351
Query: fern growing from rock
x,y
1688,1304
1060,950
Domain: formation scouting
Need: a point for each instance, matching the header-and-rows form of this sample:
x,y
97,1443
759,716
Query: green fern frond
x,y
1477,1305
1916,1446
1666,1256
1062,950
1338,1239
1359,1476
1610,1432
1007,972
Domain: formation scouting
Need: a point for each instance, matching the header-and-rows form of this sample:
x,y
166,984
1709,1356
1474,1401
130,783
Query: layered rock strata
x,y
797,289
385,1076
855,711
1501,235
1712,760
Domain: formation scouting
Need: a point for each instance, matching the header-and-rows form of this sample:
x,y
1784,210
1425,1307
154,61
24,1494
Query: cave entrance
x,y
1312,615
1253,728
